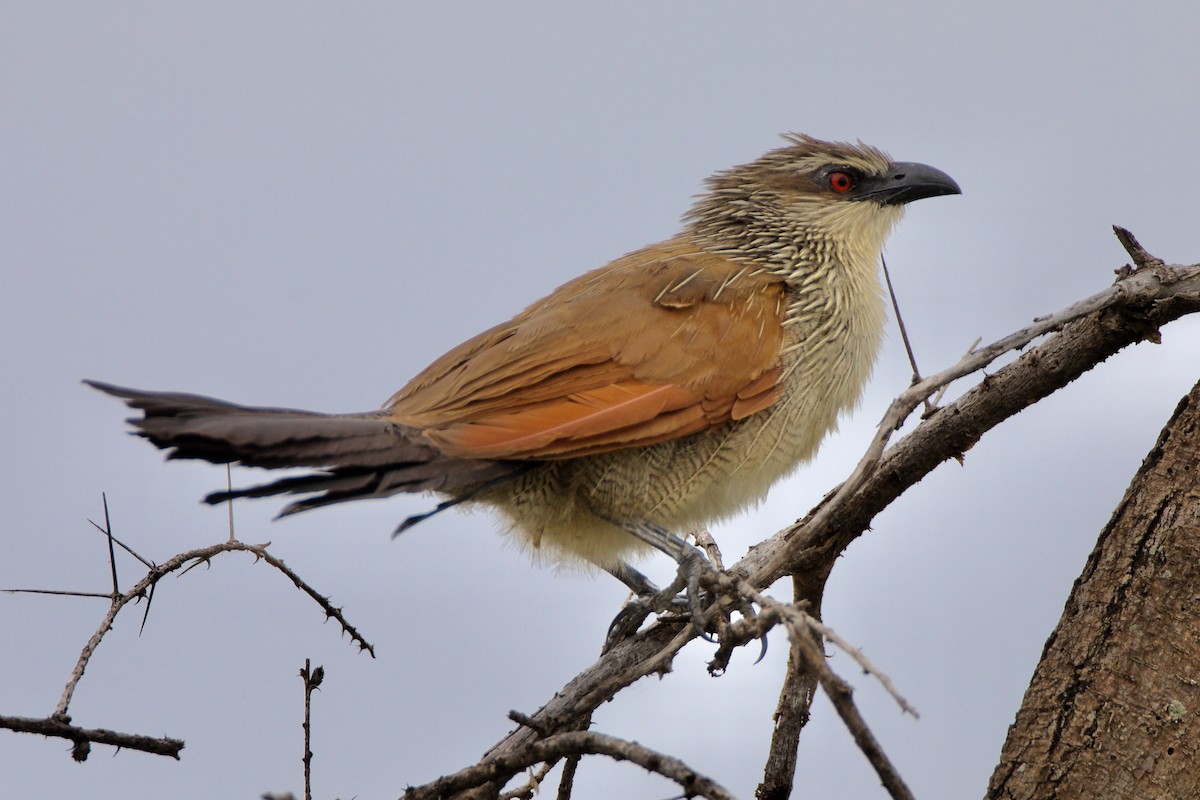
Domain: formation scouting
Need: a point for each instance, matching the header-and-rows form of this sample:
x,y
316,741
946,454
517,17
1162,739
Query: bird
x,y
664,391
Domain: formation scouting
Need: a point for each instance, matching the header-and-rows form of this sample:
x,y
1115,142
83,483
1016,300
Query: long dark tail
x,y
359,455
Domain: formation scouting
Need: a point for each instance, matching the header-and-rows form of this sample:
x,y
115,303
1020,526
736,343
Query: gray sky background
x,y
302,204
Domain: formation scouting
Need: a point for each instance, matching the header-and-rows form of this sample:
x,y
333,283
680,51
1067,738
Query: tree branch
x,y
564,745
63,729
1078,338
58,723
807,634
1084,335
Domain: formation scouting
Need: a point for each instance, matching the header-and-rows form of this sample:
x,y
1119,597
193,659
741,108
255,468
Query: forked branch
x,y
1076,339
564,745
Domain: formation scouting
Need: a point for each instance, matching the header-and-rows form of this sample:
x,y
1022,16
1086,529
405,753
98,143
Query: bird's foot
x,y
685,599
708,605
647,599
701,594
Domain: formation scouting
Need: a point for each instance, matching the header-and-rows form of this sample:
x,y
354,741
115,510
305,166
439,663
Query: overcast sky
x,y
303,204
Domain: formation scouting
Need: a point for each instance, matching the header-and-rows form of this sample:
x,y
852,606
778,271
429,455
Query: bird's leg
x,y
638,583
662,539
692,564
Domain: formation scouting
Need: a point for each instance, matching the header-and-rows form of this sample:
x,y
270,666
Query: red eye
x,y
841,182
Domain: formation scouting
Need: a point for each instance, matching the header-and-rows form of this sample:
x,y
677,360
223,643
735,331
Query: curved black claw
x,y
649,600
748,612
762,653
626,623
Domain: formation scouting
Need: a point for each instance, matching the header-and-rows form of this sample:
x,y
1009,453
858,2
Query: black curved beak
x,y
904,182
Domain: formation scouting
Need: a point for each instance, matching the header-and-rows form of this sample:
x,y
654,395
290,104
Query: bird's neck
x,y
828,258
792,243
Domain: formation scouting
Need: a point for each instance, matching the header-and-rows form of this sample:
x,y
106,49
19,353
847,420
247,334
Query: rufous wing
x,y
663,343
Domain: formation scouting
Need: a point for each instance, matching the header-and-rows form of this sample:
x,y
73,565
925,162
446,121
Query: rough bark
x,y
795,703
1113,709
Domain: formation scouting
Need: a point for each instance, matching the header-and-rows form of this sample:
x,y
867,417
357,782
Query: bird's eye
x,y
841,181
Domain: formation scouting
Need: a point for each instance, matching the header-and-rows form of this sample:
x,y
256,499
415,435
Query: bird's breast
x,y
829,348
832,331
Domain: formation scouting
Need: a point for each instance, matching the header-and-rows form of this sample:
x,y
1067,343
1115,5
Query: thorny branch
x,y
313,678
82,737
59,722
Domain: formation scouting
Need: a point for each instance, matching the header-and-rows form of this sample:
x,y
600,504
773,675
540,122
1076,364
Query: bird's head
x,y
811,201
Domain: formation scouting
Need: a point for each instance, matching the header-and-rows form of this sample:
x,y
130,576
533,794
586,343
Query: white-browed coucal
x,y
665,390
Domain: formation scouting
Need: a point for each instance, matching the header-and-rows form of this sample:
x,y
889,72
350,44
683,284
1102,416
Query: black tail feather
x,y
361,455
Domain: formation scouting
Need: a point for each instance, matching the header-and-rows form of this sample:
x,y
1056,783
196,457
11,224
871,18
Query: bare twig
x,y
806,633
566,783
807,658
564,745
1087,332
186,561
912,359
58,723
312,681
62,728
840,694
859,657
800,621
331,612
118,603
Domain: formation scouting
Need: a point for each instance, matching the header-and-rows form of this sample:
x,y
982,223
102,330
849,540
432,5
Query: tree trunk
x,y
1113,709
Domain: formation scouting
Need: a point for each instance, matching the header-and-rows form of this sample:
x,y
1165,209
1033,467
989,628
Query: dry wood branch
x,y
565,745
791,715
861,659
806,625
62,728
331,612
313,678
58,723
840,694
806,634
1078,338
1084,335
186,561
566,783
